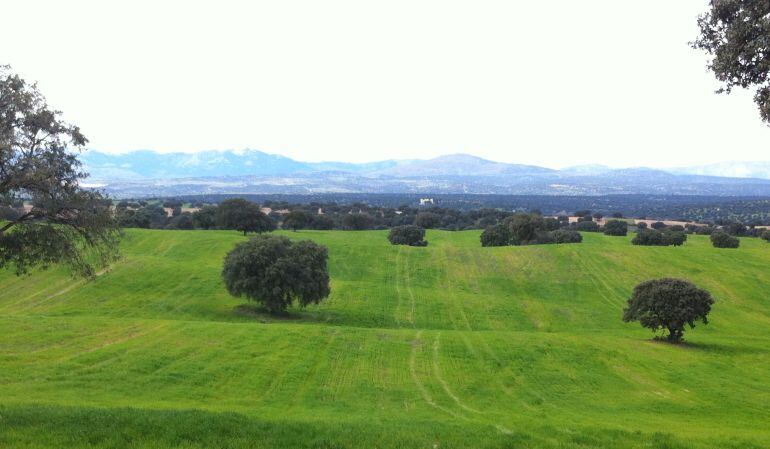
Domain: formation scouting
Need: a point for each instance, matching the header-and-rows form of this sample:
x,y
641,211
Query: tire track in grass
x,y
416,343
465,326
601,281
487,352
426,396
110,357
590,272
10,306
440,379
461,324
408,283
322,356
66,289
458,318
397,279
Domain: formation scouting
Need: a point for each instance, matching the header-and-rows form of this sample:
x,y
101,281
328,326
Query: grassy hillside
x,y
449,346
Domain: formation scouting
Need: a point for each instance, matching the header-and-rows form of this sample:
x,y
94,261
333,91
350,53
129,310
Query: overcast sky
x,y
552,83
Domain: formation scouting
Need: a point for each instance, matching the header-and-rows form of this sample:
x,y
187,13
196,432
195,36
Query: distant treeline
x,y
248,216
714,209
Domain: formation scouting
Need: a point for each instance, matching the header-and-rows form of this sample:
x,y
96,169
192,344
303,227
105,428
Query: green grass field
x,y
449,346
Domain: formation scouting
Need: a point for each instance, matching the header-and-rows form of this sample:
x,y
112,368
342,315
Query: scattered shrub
x,y
616,227
497,235
527,229
675,238
524,228
738,229
648,237
653,237
566,236
704,230
721,239
427,220
410,235
586,226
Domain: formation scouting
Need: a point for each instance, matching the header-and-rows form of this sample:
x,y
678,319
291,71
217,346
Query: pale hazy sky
x,y
552,83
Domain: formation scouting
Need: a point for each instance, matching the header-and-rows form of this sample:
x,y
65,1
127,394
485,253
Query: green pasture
x,y
448,346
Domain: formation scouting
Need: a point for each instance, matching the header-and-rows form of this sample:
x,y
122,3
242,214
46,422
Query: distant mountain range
x,y
148,173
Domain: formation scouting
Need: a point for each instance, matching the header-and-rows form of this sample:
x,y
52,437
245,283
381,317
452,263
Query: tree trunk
x,y
674,334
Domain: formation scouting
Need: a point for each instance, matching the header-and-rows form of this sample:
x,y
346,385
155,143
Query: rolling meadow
x,y
448,346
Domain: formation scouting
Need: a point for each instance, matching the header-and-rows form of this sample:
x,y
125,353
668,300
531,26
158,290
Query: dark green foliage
x,y
704,230
427,220
243,216
586,226
497,235
149,217
765,235
674,238
649,237
658,225
526,229
206,217
410,235
653,237
737,229
735,33
296,219
641,225
543,238
66,224
8,213
668,304
357,222
551,224
676,228
721,239
322,222
566,236
277,272
616,227
182,221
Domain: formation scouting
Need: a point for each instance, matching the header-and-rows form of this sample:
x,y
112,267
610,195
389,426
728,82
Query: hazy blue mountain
x,y
366,167
147,173
461,165
151,165
587,169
